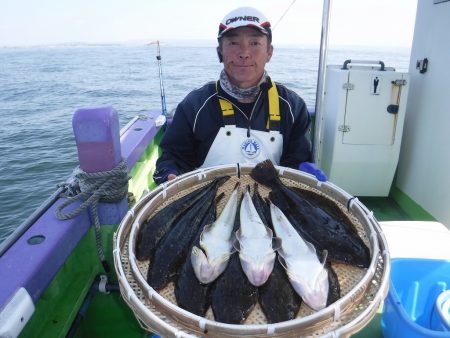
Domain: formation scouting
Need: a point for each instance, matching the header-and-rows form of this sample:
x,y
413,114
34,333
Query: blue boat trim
x,y
34,266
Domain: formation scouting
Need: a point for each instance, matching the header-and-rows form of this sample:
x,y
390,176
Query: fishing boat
x,y
53,283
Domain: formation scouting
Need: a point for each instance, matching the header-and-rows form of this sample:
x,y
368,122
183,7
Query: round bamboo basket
x,y
362,290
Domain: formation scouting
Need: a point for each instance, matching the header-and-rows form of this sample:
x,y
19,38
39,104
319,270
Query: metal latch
x,y
102,284
400,82
344,128
348,86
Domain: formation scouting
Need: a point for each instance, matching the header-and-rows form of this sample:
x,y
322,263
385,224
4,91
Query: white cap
x,y
245,17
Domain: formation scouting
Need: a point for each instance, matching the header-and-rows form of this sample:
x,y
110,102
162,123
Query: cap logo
x,y
242,18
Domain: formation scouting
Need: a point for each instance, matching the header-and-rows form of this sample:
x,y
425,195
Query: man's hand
x,y
164,174
311,168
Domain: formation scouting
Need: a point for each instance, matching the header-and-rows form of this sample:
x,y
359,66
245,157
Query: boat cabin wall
x,y
424,163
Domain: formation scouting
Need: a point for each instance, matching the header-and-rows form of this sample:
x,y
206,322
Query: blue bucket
x,y
410,309
440,319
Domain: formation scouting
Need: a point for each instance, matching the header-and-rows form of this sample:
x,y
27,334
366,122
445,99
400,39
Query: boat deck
x,y
385,209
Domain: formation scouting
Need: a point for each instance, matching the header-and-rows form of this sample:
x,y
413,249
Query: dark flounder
x,y
316,225
172,250
152,231
190,294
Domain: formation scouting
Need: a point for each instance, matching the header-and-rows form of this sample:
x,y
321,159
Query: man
x,y
242,118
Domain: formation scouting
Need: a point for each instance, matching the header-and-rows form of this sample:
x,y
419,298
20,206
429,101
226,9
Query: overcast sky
x,y
353,22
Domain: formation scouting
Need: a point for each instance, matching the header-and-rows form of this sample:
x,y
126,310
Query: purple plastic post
x,y
97,134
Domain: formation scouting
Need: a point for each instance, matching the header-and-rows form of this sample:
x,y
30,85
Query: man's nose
x,y
244,52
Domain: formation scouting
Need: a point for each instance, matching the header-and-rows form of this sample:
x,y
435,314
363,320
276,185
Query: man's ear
x,y
219,54
269,52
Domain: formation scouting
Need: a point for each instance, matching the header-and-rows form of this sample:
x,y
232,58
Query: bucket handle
x,y
346,62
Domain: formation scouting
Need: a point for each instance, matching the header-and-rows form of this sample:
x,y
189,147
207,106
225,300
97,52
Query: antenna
x,y
161,82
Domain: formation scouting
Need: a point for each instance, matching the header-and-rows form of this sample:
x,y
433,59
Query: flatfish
x,y
152,231
210,258
315,225
262,207
255,244
173,248
277,297
306,273
190,293
233,296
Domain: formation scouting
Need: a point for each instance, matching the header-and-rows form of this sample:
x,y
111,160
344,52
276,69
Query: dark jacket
x,y
198,119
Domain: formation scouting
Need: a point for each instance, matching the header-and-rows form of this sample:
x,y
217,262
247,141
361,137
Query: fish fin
x,y
202,269
233,248
198,258
255,189
221,259
221,180
266,174
276,243
311,247
235,240
207,228
324,257
282,262
269,231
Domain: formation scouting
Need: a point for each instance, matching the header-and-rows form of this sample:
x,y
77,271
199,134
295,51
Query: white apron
x,y
232,145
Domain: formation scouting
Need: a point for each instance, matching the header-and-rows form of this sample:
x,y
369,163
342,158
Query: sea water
x,y
41,88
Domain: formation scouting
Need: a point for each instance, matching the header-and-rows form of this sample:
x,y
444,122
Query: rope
x,y
104,186
282,16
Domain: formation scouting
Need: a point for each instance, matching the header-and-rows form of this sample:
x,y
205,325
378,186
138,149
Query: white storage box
x,y
363,113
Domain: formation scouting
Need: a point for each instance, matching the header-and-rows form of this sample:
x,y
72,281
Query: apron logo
x,y
250,148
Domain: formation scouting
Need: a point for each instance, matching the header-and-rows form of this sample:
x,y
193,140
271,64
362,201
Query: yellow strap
x,y
227,107
274,106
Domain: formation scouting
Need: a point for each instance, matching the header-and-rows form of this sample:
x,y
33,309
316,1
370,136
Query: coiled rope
x,y
104,186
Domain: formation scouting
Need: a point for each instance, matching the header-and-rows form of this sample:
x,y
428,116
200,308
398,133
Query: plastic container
x,y
410,307
440,319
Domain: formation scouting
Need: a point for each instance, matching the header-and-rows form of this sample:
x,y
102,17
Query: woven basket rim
x,y
128,229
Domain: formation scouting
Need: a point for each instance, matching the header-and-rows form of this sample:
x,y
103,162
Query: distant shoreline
x,y
199,43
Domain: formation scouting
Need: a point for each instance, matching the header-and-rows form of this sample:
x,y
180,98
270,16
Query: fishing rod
x,y
282,16
161,83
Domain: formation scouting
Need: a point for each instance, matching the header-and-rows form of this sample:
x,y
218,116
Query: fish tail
x,y
266,174
324,257
219,198
334,289
221,180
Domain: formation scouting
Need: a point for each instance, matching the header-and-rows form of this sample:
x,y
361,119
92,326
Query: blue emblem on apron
x,y
250,148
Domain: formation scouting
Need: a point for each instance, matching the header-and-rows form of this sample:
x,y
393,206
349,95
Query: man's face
x,y
245,52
